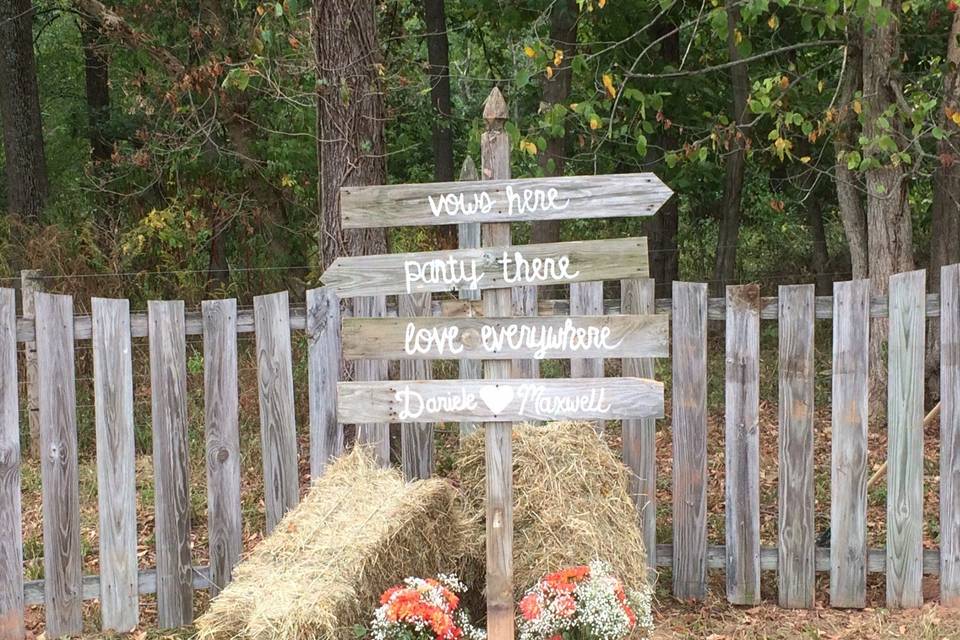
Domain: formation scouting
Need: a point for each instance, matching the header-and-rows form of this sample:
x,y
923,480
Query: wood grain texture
x,y
387,274
689,440
640,436
31,282
586,299
171,465
116,460
796,538
469,238
742,444
278,423
222,433
905,382
375,436
11,531
416,437
848,475
323,336
625,336
950,437
524,304
583,197
34,590
58,464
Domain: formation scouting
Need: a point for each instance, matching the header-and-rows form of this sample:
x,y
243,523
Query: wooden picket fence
x,y
111,330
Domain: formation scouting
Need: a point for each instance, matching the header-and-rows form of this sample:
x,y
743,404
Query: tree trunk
x,y
438,55
818,236
556,90
97,82
736,163
24,160
945,210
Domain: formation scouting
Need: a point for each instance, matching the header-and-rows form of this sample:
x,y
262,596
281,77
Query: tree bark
x,y
438,55
556,90
24,160
97,83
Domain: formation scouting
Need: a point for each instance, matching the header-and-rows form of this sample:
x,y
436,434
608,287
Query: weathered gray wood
x,y
469,238
375,436
905,440
416,437
498,201
848,475
34,591
171,465
640,436
31,282
626,336
503,400
689,440
222,431
11,532
116,459
489,268
495,163
278,426
323,335
742,444
586,299
58,464
796,536
524,304
950,437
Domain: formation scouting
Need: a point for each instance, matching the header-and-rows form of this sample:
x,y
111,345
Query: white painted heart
x,y
497,398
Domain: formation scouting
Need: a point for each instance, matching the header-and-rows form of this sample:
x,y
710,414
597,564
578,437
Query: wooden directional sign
x,y
638,194
489,268
627,336
499,400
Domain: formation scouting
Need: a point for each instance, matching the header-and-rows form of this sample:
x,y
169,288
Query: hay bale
x,y
571,504
359,530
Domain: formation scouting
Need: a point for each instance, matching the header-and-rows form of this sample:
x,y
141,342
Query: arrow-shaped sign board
x,y
499,400
489,268
562,198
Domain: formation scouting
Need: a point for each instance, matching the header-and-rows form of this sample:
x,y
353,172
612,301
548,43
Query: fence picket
x,y
796,537
586,299
323,335
222,432
58,464
689,440
950,436
11,531
639,436
375,436
416,437
168,402
848,473
469,238
278,427
905,441
116,460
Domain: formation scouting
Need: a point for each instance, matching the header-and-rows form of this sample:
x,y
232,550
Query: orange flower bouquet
x,y
422,609
586,602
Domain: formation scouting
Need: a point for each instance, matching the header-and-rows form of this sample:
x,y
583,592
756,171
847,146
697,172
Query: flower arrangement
x,y
423,609
586,602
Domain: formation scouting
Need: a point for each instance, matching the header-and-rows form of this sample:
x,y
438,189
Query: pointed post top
x,y
495,109
469,169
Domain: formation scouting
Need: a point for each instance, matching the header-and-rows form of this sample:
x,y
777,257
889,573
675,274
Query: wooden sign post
x,y
506,336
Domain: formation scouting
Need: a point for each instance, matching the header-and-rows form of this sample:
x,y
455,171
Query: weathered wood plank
x,y
116,459
58,464
222,431
31,282
376,436
905,440
848,475
323,335
494,267
171,465
689,440
503,201
524,304
950,437
742,444
34,591
503,400
469,238
640,436
416,437
11,531
586,299
626,336
278,426
796,536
